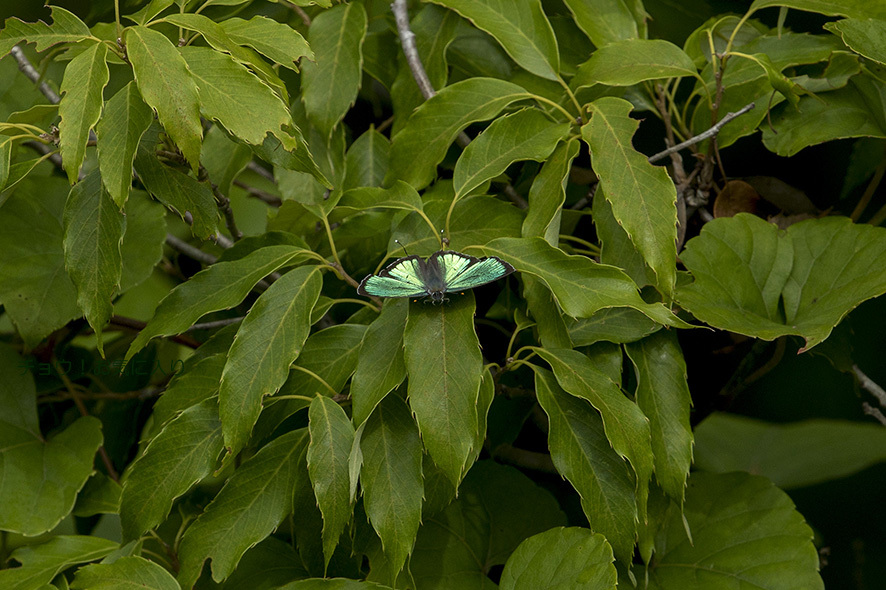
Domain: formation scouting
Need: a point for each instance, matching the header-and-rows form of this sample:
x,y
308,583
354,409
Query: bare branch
x,y
28,70
870,385
407,40
702,136
872,411
272,200
189,250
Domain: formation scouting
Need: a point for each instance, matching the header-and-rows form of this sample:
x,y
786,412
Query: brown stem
x,y
81,407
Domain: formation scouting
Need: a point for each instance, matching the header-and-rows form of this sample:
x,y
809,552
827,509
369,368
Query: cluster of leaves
x,y
313,435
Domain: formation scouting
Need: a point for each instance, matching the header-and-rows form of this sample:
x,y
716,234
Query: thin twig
x,y
272,200
407,40
515,197
189,250
44,149
523,458
869,191
299,11
872,411
260,170
81,407
28,70
224,203
215,324
138,325
870,385
702,136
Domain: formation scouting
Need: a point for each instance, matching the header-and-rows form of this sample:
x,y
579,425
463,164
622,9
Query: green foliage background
x,y
194,396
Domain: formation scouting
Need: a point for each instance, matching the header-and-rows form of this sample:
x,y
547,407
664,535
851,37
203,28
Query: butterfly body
x,y
444,272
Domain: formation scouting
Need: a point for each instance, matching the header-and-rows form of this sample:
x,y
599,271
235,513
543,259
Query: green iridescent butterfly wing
x,y
443,272
401,278
461,272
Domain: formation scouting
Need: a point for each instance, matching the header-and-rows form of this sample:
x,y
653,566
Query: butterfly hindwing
x,y
463,272
402,278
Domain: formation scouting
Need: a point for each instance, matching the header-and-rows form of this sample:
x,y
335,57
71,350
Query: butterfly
x,y
444,272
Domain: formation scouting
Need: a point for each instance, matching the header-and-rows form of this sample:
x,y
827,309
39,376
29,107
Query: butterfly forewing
x,y
466,272
403,278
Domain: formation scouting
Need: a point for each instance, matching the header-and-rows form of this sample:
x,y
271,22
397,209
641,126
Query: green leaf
x,y
299,159
475,221
643,196
192,385
663,395
399,196
35,290
150,11
843,113
444,365
333,584
604,21
185,452
269,339
133,572
279,42
41,563
65,28
126,117
582,454
542,304
332,437
391,478
366,162
616,247
560,558
218,39
221,286
143,240
525,135
754,279
864,36
497,508
179,192
229,526
624,424
227,90
94,229
270,564
380,366
521,28
615,324
224,158
330,85
39,478
847,8
793,455
735,519
81,105
100,495
548,193
422,143
632,61
5,155
167,86
331,355
581,286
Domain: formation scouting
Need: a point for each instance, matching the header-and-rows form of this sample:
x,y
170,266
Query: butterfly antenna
x,y
402,246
